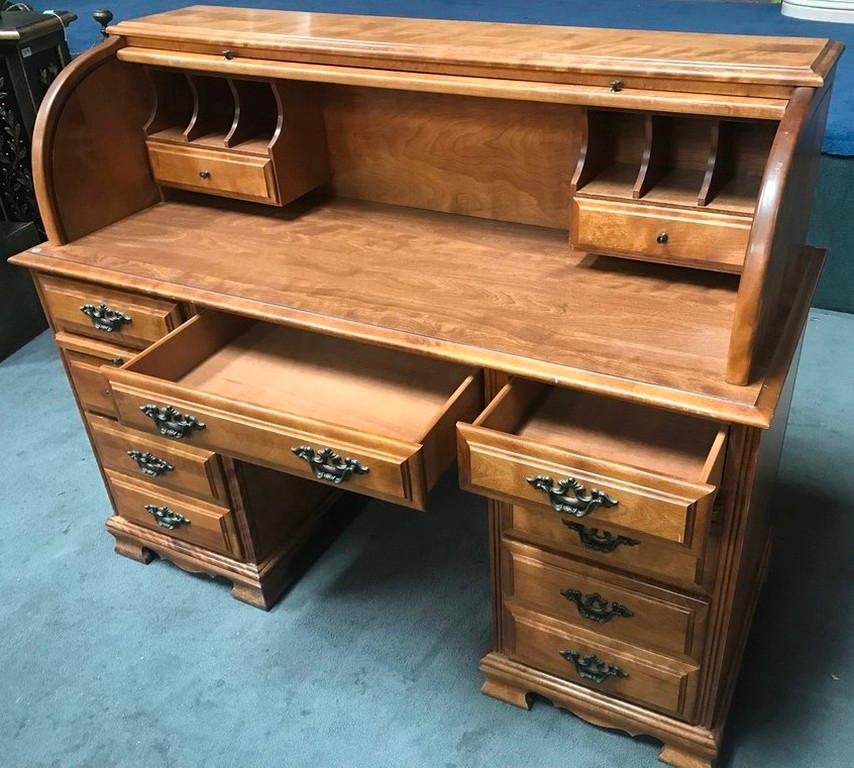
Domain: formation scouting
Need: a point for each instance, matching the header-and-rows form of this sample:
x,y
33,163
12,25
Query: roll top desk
x,y
292,255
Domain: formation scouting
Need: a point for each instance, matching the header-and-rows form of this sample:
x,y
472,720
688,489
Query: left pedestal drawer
x,y
165,464
181,517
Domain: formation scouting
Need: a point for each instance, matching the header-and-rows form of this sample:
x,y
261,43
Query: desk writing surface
x,y
508,296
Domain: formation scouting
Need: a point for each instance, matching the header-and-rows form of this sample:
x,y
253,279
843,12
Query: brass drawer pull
x,y
104,318
149,464
592,667
616,85
600,542
204,174
595,607
165,517
662,238
579,504
170,422
328,465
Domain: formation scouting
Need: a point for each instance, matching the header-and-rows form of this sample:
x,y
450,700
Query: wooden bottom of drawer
x,y
616,669
173,514
609,605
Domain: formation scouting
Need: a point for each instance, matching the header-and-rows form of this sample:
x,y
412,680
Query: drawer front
x,y
611,547
603,603
701,238
395,477
653,681
216,172
126,319
170,513
189,470
666,508
89,383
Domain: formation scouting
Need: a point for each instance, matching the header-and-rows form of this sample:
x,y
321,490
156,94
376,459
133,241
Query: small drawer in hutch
x,y
604,603
109,314
207,525
164,463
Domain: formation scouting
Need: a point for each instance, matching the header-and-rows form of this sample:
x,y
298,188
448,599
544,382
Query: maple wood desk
x,y
294,254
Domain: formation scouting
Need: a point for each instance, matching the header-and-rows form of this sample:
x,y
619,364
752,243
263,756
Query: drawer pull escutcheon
x,y
149,464
592,667
579,504
170,422
328,465
595,607
600,542
105,319
165,517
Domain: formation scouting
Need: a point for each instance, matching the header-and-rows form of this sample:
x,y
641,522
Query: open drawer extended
x,y
372,420
579,455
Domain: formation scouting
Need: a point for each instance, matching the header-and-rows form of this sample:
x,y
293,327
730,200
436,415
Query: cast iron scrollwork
x,y
328,465
165,517
603,541
104,318
149,464
579,503
592,667
595,607
170,422
16,181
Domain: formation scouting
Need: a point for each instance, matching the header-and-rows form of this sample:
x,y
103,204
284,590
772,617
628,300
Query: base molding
x,y
259,584
684,745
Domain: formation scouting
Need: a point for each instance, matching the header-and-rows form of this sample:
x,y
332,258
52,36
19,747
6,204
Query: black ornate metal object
x,y
170,422
579,504
599,542
595,607
104,318
165,517
328,465
149,464
592,667
16,182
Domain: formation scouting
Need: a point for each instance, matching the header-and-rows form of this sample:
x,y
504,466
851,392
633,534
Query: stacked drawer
x,y
173,489
605,538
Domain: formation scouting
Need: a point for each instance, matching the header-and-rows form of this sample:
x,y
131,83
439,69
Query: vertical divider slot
x,y
256,115
213,110
716,171
172,109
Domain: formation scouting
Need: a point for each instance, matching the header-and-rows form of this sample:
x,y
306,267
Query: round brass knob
x,y
204,174
662,238
616,85
228,54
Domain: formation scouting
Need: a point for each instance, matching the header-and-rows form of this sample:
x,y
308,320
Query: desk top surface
x,y
504,296
423,44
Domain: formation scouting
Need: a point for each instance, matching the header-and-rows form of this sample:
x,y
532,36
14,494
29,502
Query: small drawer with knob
x,y
700,238
164,463
224,172
110,315
613,469
84,360
206,525
607,604
623,670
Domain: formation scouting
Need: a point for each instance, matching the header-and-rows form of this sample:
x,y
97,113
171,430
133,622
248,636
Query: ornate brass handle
x,y
105,319
579,504
595,607
599,542
592,667
149,464
170,422
165,517
328,465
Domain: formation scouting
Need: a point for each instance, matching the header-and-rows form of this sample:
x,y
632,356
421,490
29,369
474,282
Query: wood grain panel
x,y
480,157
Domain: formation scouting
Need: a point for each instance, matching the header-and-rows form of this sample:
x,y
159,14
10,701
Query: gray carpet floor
x,y
371,659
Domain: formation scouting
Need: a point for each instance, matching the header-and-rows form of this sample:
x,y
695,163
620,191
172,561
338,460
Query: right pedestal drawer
x,y
599,473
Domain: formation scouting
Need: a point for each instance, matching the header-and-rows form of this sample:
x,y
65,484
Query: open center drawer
x,y
373,420
582,456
